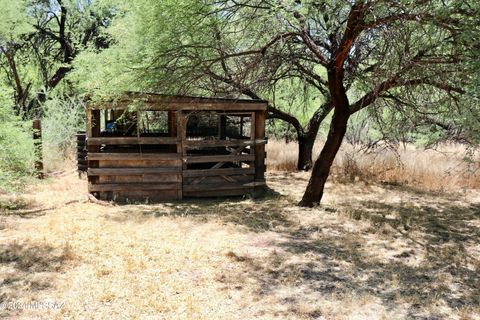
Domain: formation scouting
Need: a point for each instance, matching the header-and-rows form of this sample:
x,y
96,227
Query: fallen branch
x,y
91,198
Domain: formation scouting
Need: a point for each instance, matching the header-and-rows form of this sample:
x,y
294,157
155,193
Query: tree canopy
x,y
39,40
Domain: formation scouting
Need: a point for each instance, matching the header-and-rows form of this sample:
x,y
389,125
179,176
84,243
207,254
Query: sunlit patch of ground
x,y
369,252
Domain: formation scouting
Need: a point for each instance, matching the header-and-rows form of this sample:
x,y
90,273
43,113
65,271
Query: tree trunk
x,y
20,93
338,127
305,148
314,192
306,138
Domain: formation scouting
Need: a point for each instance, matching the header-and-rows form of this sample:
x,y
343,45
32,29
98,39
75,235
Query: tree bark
x,y
338,127
321,170
20,92
305,149
306,138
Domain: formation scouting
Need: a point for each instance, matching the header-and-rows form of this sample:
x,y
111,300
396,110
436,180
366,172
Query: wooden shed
x,y
158,147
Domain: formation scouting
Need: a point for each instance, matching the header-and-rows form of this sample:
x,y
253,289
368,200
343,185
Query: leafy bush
x,y
16,148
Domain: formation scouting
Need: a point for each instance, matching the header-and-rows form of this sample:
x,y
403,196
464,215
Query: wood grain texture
x,y
219,158
224,143
133,186
216,172
133,156
132,140
131,171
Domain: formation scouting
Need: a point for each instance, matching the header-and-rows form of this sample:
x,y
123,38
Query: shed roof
x,y
155,101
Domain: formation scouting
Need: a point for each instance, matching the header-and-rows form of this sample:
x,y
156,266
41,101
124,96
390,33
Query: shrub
x,y
16,148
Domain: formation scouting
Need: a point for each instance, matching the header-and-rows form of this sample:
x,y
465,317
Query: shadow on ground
x,y
435,267
20,207
257,215
25,270
416,254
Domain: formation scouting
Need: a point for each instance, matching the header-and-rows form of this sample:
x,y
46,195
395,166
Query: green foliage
x,y
38,42
167,46
16,148
142,30
14,20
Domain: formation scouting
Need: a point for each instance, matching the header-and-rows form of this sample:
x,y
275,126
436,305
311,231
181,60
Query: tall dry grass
x,y
444,168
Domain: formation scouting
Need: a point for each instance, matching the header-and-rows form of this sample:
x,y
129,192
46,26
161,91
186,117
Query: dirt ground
x,y
368,252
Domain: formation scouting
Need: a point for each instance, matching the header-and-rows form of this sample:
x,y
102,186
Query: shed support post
x,y
181,131
259,152
172,123
37,142
93,130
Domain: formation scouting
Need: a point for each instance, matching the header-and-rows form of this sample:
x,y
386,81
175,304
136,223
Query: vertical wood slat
x,y
81,152
93,130
181,137
259,149
252,132
37,142
172,123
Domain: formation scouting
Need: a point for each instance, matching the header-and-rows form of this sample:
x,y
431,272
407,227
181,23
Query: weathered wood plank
x,y
133,156
218,179
218,172
260,149
133,186
215,187
181,135
140,163
219,158
217,193
224,143
131,171
141,178
139,195
165,105
93,130
132,140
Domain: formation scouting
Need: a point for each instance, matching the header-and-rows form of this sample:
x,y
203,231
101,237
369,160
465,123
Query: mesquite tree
x,y
39,40
355,54
359,53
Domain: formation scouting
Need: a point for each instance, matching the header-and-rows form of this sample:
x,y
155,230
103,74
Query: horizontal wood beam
x,y
133,186
219,158
214,187
131,171
217,172
171,102
237,107
134,156
132,140
223,143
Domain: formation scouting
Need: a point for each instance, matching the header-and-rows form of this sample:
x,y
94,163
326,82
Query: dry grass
x,y
370,252
443,169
